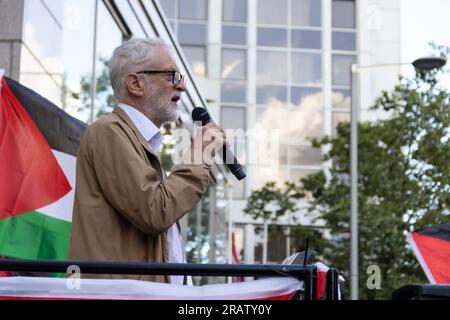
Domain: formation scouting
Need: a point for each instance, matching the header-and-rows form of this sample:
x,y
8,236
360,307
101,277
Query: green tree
x,y
403,182
104,96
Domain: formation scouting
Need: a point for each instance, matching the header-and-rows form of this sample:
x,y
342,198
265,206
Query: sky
x,y
424,21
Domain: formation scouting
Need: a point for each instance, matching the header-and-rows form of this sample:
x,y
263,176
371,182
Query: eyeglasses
x,y
176,76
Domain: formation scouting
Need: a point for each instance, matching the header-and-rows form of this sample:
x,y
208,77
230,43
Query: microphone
x,y
201,114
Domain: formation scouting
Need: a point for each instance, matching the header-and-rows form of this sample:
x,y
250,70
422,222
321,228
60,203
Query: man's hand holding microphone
x,y
209,139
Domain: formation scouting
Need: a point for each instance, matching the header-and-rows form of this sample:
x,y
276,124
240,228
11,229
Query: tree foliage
x,y
104,96
403,182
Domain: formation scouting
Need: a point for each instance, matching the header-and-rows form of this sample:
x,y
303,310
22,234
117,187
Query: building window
x,y
305,156
307,39
193,9
306,68
297,174
272,12
192,33
341,99
238,189
339,117
271,66
233,64
344,41
341,69
196,55
233,92
306,13
264,174
283,152
169,8
235,10
234,35
233,118
267,93
306,121
306,97
192,37
344,14
272,37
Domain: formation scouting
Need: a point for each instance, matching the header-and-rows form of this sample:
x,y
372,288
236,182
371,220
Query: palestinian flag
x,y
38,144
432,248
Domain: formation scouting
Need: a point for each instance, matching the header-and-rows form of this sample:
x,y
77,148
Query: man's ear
x,y
134,85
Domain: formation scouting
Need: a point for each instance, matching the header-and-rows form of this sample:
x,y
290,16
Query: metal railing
x,y
305,273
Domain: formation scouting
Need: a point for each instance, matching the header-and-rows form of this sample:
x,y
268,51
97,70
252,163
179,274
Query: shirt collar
x,y
146,127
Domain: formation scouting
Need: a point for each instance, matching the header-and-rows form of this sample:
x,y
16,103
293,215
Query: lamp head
x,y
428,63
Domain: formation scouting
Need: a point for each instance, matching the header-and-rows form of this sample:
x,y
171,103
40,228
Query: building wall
x,y
11,19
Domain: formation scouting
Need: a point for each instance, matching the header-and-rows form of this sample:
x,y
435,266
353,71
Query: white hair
x,y
130,55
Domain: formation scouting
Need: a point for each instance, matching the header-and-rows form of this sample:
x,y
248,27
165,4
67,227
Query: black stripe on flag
x,y
440,231
62,131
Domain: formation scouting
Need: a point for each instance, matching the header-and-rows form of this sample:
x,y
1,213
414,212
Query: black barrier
x,y
306,273
332,285
422,292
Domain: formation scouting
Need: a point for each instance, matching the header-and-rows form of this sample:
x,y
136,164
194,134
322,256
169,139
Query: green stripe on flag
x,y
34,235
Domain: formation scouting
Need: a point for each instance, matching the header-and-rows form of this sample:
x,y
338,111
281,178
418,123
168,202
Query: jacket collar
x,y
123,115
145,126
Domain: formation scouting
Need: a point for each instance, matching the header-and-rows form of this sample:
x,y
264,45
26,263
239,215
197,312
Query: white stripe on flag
x,y
62,209
419,256
34,287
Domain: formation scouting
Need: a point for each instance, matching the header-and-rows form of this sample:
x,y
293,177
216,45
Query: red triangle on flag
x,y
30,176
434,257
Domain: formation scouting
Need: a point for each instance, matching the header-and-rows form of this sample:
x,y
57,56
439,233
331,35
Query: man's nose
x,y
181,86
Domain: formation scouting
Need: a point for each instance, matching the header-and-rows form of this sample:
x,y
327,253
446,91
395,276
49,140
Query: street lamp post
x,y
425,63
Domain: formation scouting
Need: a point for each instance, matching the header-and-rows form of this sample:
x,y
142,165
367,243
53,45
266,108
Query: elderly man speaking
x,y
125,208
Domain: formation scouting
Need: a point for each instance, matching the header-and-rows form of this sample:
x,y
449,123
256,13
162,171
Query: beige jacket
x,y
123,207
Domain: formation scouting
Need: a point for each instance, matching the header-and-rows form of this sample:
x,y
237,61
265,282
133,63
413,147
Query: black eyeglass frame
x,y
175,79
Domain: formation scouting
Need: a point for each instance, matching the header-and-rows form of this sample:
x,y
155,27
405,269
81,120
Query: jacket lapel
x,y
123,115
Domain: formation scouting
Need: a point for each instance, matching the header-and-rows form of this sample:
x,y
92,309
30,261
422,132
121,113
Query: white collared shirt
x,y
152,135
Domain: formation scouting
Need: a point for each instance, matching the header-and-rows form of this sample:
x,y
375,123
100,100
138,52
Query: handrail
x,y
306,273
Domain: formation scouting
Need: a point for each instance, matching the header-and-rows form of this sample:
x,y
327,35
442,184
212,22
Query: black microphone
x,y
201,114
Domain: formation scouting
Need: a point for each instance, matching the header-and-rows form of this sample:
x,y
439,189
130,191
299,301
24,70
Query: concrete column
x,y
11,25
249,243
